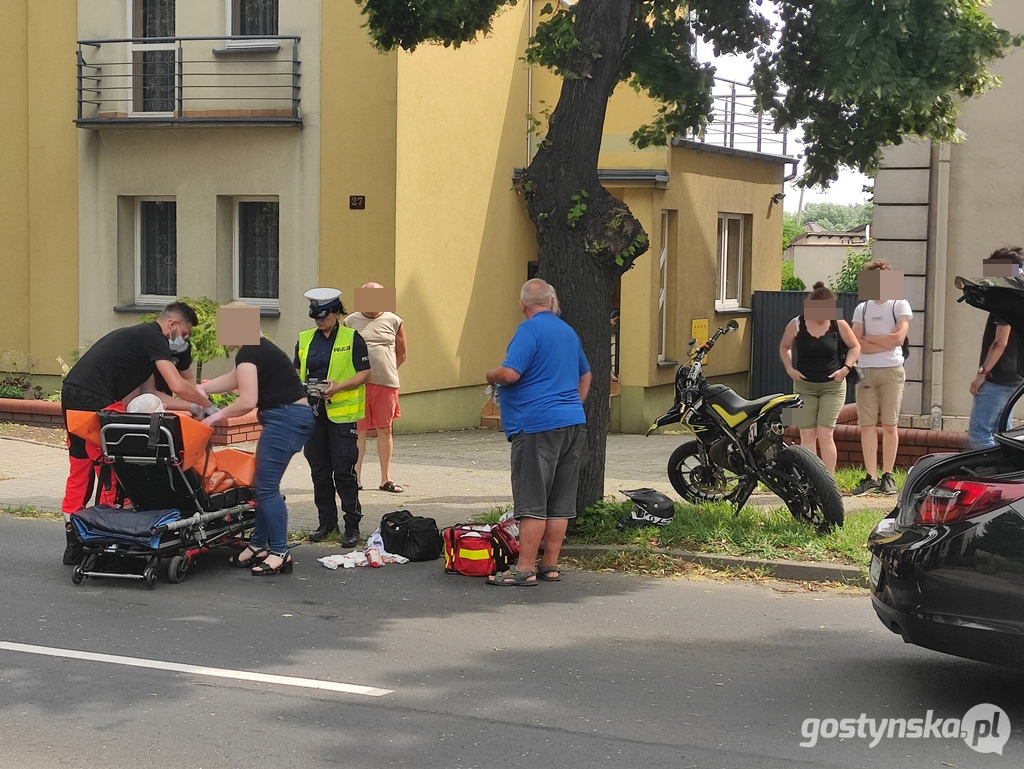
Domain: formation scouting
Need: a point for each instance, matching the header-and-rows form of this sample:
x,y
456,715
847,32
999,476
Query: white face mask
x,y
177,344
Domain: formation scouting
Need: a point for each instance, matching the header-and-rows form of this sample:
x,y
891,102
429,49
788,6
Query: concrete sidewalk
x,y
450,476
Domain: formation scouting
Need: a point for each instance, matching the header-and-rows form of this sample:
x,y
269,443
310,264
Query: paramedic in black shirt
x,y
265,380
336,356
159,387
109,371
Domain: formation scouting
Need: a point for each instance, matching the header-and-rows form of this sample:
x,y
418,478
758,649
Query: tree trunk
x,y
583,252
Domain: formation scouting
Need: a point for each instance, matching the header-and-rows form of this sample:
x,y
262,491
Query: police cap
x,y
323,301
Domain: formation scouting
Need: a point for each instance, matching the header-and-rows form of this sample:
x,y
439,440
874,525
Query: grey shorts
x,y
546,472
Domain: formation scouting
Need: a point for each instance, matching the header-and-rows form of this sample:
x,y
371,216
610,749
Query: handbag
x,y
856,373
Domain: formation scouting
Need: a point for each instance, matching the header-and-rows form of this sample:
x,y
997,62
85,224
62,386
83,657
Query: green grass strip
x,y
756,531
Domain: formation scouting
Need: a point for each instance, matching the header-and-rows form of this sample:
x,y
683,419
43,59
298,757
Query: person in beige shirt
x,y
384,334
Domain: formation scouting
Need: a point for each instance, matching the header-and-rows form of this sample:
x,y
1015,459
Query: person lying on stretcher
x,y
223,468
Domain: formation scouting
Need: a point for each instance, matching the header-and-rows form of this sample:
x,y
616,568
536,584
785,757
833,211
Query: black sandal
x,y
262,570
257,556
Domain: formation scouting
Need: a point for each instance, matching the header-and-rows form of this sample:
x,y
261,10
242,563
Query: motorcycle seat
x,y
736,409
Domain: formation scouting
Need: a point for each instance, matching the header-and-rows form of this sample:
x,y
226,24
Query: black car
x,y
947,564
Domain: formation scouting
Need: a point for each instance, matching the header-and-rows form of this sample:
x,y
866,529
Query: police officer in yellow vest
x,y
334,357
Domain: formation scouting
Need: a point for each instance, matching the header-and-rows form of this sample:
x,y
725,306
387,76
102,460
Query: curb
x,y
34,443
794,571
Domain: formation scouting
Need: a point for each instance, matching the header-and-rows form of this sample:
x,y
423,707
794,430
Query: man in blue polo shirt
x,y
542,384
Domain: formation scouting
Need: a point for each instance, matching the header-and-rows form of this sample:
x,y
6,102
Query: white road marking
x,y
175,667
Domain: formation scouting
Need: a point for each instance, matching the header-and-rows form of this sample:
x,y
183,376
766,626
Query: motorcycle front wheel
x,y
817,500
697,482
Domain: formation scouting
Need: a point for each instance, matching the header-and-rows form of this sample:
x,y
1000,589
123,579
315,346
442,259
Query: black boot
x,y
351,535
323,532
73,552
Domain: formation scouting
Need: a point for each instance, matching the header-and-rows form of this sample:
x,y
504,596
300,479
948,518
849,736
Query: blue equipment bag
x,y
103,523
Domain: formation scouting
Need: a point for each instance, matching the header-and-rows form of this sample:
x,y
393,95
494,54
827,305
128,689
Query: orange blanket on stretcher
x,y
221,469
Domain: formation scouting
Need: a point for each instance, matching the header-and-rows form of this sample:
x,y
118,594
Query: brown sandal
x,y
391,486
544,574
512,578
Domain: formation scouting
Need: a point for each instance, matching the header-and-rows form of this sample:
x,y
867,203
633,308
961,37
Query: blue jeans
x,y
285,430
988,405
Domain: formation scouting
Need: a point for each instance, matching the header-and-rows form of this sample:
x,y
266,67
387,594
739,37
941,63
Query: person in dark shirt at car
x,y
997,376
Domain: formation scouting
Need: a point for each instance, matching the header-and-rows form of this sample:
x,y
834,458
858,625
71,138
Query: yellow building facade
x,y
308,158
38,171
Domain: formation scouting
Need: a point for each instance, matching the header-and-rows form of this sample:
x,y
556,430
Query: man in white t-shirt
x,y
881,325
384,334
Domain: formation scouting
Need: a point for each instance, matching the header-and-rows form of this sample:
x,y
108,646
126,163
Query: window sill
x,y
719,310
247,48
142,309
668,363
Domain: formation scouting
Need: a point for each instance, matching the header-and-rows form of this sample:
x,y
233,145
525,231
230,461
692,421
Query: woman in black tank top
x,y
817,340
266,380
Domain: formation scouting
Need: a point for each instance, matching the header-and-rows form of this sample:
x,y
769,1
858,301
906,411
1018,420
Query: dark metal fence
x,y
736,121
252,79
772,310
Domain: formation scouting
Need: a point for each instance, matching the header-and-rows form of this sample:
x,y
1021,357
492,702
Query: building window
x,y
253,17
730,261
257,226
152,63
156,250
663,291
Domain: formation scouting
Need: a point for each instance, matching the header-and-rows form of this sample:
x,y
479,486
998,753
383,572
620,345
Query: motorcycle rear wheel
x,y
824,504
696,482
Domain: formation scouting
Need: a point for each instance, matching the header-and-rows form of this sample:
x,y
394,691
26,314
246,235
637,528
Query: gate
x,y
772,310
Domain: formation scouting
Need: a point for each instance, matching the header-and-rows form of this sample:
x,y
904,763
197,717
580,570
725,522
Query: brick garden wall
x,y
914,443
47,414
35,413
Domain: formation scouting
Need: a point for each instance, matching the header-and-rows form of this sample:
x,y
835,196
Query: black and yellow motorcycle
x,y
738,442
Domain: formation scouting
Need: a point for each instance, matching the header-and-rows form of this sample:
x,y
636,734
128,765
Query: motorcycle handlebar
x,y
731,326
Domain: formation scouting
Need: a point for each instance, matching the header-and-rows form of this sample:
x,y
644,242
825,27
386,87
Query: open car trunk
x,y
1003,297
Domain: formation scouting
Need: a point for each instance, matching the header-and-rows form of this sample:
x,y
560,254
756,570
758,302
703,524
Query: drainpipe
x,y
529,97
937,316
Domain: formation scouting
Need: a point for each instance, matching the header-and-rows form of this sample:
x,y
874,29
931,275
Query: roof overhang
x,y
733,151
612,177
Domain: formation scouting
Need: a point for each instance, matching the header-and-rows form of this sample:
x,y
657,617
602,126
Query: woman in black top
x,y
819,374
265,379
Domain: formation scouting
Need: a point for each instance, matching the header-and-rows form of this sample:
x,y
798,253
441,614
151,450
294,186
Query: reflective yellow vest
x,y
347,405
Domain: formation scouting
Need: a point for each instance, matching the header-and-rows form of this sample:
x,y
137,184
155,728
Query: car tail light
x,y
955,500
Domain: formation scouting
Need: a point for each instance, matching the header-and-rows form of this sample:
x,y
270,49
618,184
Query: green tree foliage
x,y
836,217
845,281
789,281
856,74
791,227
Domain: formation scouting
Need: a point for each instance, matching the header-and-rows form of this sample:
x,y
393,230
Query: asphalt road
x,y
600,670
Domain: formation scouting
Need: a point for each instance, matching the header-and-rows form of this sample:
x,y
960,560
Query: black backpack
x,y
906,339
411,536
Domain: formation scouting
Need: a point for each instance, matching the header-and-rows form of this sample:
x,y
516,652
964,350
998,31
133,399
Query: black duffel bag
x,y
411,536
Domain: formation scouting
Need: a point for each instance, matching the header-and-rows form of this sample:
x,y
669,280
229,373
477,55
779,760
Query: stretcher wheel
x,y
150,576
78,575
177,569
